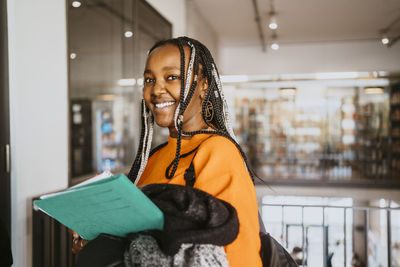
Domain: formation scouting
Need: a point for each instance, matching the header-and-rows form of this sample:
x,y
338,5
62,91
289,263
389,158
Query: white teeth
x,y
166,104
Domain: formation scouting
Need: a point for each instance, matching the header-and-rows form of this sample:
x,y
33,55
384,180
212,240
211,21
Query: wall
x,y
175,12
38,111
187,20
310,58
200,29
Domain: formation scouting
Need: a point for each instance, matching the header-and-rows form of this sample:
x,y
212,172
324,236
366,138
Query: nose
x,y
158,88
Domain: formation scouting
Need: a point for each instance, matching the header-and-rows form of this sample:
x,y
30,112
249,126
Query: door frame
x,y
5,181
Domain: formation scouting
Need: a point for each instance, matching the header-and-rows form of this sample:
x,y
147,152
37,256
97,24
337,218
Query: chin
x,y
164,123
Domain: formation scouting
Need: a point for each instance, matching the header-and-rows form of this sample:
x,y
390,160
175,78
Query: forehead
x,y
168,54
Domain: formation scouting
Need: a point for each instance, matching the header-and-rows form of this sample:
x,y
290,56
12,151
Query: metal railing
x,y
324,225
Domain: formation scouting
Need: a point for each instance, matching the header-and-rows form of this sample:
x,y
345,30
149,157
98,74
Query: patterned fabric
x,y
144,251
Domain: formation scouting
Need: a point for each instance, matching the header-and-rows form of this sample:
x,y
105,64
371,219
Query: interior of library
x,y
314,93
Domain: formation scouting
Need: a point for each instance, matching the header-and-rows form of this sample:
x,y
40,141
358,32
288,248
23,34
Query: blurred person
x,y
356,261
297,255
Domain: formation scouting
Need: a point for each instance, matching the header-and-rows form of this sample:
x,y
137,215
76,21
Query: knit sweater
x,y
221,172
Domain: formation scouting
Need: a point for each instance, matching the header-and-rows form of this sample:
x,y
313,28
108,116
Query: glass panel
x,y
314,132
334,220
282,215
349,236
101,56
395,234
272,218
295,241
107,48
314,246
313,216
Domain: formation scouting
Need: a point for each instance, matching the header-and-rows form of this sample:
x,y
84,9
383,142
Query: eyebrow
x,y
166,68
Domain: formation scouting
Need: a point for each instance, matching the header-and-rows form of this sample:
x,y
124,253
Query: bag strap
x,y
190,175
261,223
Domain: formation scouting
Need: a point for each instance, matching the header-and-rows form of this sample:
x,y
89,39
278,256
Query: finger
x,y
75,235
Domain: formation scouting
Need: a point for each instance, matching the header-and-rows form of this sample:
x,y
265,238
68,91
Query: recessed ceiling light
x,y
275,46
385,40
72,55
76,4
273,26
128,34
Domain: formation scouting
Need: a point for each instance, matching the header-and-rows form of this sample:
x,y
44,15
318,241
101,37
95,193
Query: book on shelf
x,y
111,205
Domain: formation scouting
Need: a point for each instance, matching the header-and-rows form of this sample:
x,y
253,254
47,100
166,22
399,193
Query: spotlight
x,y
275,46
385,40
273,25
72,55
76,4
128,34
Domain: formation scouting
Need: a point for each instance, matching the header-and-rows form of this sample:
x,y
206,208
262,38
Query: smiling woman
x,y
182,91
199,179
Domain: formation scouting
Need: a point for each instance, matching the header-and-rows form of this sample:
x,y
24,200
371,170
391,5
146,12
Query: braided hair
x,y
220,123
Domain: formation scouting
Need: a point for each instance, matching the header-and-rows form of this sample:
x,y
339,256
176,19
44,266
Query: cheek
x,y
175,90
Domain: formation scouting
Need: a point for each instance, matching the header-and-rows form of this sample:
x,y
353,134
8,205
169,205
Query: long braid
x,y
178,118
144,144
136,164
146,151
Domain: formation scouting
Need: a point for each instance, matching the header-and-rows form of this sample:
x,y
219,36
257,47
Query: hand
x,y
77,242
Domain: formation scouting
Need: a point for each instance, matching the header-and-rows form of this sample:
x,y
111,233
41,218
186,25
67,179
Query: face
x,y
162,86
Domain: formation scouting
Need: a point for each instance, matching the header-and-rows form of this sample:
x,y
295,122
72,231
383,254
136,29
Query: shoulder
x,y
221,147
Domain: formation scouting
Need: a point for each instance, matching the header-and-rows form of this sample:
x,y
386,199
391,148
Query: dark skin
x,y
77,242
162,84
162,87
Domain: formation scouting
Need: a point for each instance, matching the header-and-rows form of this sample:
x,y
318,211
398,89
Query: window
x,y
108,44
315,132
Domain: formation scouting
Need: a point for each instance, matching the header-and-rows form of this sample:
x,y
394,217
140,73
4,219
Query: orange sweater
x,y
221,172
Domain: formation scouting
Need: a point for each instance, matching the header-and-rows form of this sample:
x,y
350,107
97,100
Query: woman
x,y
182,91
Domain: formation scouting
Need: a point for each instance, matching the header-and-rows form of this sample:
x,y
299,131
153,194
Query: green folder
x,y
112,205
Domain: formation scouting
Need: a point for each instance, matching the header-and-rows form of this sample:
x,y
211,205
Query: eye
x,y
148,80
172,77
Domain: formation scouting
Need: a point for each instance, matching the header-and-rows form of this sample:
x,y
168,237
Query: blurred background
x,y
313,88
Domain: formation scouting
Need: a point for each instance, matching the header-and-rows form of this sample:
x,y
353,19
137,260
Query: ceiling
x,y
301,21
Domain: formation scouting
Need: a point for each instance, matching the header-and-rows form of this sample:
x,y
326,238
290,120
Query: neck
x,y
174,133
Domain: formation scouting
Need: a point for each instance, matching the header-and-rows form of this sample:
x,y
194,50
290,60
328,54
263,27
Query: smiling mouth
x,y
165,104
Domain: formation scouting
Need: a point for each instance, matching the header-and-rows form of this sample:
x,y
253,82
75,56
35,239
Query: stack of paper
x,y
111,205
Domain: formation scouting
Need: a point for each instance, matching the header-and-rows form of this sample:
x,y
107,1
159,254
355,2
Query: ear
x,y
203,87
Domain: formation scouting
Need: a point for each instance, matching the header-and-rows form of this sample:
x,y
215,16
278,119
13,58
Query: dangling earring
x,y
209,111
